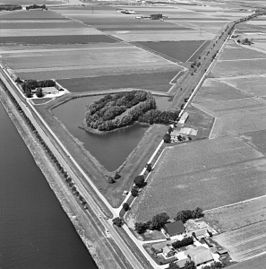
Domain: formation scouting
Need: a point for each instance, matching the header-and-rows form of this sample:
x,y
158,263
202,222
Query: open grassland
x,y
235,52
206,173
239,68
156,81
174,50
246,242
171,35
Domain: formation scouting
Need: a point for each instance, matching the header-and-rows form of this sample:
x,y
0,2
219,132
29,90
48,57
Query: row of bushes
x,y
183,243
10,7
34,6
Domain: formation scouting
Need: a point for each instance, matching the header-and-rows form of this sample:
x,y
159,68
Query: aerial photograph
x,y
132,134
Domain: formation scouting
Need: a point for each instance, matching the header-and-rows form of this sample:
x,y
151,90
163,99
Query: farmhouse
x,y
200,255
174,228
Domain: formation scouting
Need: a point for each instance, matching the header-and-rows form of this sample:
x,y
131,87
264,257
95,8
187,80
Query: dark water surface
x,y
110,149
35,233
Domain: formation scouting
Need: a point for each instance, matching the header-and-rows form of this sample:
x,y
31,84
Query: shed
x,y
174,228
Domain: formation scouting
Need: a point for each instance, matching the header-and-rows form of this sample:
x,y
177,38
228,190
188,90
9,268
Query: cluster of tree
x,y
33,84
188,265
113,179
49,152
183,243
34,6
139,183
10,7
118,222
185,215
215,265
29,85
156,116
119,110
157,223
103,114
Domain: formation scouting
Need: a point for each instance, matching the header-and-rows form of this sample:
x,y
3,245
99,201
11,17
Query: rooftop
x,y
200,255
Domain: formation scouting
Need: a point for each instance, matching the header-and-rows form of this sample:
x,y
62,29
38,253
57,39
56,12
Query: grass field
x,y
258,263
173,50
156,81
226,168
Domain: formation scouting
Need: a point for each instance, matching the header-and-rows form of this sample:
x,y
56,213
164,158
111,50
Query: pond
x,y
110,149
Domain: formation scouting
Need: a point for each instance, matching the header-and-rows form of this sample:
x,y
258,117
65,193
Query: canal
x,y
34,230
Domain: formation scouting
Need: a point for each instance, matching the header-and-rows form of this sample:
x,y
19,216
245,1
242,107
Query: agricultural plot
x,y
156,81
49,32
254,85
32,15
244,243
48,24
174,51
239,68
236,216
234,52
62,39
226,168
94,61
257,262
160,35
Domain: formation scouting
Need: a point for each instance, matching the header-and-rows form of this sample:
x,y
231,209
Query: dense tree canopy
x,y
122,109
159,220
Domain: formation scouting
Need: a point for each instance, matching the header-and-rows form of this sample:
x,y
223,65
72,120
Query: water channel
x,y
34,230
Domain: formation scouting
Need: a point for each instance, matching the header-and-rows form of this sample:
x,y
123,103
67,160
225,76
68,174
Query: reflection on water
x,y
111,149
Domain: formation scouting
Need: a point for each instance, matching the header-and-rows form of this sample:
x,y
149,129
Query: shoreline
x,y
84,226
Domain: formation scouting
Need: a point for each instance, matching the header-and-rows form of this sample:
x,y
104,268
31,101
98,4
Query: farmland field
x,y
87,62
49,32
156,81
254,85
32,15
239,68
234,52
62,39
40,24
174,51
160,35
229,171
244,243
